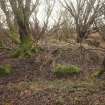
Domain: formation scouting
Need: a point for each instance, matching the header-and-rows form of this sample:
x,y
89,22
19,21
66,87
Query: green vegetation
x,y
14,36
25,50
1,44
97,73
5,70
64,70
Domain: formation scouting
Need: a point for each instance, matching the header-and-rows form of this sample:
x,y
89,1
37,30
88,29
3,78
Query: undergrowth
x,y
25,52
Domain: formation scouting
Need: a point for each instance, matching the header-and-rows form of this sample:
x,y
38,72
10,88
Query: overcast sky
x,y
55,14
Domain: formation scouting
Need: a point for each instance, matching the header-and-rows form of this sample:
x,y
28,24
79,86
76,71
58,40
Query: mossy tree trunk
x,y
25,47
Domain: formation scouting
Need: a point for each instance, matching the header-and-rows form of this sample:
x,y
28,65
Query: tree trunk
x,y
103,65
23,32
79,38
25,48
25,37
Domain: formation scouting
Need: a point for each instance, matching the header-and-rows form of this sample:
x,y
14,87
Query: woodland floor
x,y
29,85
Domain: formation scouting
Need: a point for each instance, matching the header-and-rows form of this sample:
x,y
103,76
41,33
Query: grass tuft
x,y
64,70
5,70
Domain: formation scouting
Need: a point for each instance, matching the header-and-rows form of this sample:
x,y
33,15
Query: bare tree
x,y
38,30
10,21
100,23
20,12
83,13
68,25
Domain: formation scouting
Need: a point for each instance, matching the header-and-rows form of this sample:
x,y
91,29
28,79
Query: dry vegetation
x,y
52,63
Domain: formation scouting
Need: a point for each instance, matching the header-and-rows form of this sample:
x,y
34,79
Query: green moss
x,y
5,70
64,70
